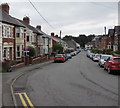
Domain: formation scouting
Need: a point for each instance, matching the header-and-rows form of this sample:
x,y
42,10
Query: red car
x,y
59,58
112,64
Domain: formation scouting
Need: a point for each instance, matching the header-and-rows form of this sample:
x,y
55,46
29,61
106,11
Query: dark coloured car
x,y
69,56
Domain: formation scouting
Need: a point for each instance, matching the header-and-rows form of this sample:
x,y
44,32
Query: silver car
x,y
96,57
103,59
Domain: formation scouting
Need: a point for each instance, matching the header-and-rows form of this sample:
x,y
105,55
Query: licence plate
x,y
58,59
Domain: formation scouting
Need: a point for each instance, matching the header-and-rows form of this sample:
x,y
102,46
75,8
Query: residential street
x,y
77,82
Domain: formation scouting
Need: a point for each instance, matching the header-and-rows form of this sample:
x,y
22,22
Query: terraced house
x,y
9,26
16,35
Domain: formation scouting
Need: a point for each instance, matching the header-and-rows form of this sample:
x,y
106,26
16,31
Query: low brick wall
x,y
18,65
26,61
38,59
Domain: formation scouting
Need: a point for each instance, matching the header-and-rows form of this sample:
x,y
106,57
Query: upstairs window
x,y
11,32
22,32
28,37
17,32
5,31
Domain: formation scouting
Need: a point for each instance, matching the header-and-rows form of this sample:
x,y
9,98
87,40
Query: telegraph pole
x,y
60,36
106,38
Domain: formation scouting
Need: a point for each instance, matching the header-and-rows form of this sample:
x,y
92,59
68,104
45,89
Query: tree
x,y
58,48
68,37
82,39
90,37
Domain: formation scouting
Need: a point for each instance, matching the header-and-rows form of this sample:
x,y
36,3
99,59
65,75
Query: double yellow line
x,y
23,100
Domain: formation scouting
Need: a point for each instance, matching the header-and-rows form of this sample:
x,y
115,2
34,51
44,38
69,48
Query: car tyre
x,y
109,71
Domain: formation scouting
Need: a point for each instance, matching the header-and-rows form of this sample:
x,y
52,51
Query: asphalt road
x,y
77,82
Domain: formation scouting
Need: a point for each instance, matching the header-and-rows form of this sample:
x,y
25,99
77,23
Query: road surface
x,y
77,82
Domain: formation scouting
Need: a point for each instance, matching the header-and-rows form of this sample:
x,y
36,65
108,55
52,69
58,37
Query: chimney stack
x,y
56,36
38,27
53,34
26,20
5,7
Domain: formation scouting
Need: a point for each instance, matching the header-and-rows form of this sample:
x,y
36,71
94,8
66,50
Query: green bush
x,y
96,51
58,48
3,70
31,51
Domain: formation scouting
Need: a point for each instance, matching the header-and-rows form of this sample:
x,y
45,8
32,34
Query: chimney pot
x,y
56,36
53,34
26,20
38,27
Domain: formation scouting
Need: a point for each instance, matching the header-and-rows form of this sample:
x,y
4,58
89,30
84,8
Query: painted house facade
x,y
46,42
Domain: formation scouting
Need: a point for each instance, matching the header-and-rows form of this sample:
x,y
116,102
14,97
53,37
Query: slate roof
x,y
31,27
6,18
43,34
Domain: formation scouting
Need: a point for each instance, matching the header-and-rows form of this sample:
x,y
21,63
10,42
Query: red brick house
x,y
116,46
8,33
110,39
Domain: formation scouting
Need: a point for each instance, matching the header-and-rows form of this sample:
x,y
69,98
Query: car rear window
x,y
104,57
117,59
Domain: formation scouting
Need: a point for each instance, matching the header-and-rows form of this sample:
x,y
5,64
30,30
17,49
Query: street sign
x,y
26,50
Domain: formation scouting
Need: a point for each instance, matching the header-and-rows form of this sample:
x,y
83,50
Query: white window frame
x,y
28,35
17,32
18,51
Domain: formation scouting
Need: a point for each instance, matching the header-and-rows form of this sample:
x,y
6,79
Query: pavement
x,y
7,78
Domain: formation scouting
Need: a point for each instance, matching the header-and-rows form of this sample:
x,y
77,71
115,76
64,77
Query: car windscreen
x,y
117,59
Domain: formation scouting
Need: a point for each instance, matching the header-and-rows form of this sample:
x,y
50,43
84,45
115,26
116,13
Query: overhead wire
x,y
106,6
40,14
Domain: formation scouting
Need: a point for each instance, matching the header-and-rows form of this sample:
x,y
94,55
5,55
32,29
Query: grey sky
x,y
73,18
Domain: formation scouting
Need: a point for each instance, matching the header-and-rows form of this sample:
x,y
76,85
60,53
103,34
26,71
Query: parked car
x,y
66,57
73,53
103,59
88,53
112,64
69,56
96,57
91,55
59,58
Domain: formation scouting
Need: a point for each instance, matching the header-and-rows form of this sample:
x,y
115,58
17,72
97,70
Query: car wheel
x,y
104,68
109,71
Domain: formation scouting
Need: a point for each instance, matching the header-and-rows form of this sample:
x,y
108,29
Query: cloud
x,y
70,17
